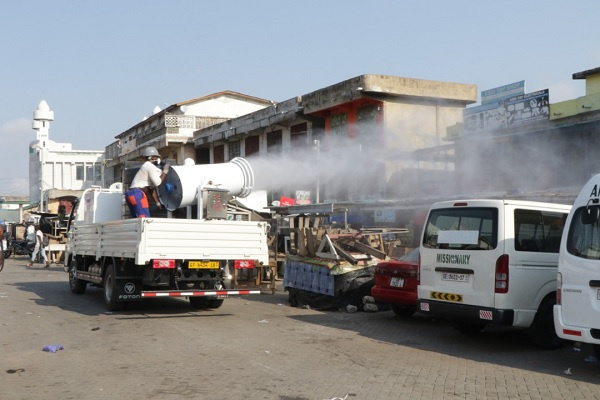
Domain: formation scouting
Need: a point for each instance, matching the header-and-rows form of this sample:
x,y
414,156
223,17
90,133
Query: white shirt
x,y
148,175
40,238
30,237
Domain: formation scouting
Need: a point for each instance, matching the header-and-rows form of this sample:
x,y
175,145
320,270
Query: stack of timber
x,y
328,268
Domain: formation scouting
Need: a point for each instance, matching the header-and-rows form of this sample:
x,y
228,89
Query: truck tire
x,y
199,303
110,289
541,332
215,303
77,285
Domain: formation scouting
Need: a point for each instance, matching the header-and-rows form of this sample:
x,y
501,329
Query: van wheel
x,y
199,303
403,311
542,333
469,328
110,290
596,348
77,285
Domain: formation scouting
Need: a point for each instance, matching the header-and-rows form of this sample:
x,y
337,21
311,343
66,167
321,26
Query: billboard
x,y
502,93
508,112
528,107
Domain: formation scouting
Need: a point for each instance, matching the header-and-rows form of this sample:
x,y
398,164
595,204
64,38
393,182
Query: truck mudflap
x,y
199,293
128,289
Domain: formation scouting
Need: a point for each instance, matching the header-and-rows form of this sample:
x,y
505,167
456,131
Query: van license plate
x,y
397,282
203,265
447,276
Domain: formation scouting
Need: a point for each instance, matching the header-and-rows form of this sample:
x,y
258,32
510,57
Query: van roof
x,y
590,191
499,202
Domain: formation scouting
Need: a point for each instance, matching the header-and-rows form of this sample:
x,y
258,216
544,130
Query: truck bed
x,y
144,239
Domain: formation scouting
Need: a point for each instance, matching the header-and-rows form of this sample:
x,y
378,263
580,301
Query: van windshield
x,y
470,228
584,239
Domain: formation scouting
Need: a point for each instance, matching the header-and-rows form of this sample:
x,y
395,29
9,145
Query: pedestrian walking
x,y
39,247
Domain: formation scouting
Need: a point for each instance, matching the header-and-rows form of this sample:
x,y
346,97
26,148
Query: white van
x,y
577,312
492,262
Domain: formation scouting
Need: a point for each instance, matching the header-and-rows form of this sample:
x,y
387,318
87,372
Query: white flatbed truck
x,y
137,258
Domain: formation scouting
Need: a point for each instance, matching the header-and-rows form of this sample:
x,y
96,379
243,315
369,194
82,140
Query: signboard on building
x,y
501,93
303,197
528,107
488,116
384,215
510,111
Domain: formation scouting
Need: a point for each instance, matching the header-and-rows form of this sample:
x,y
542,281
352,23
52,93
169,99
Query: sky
x,y
102,66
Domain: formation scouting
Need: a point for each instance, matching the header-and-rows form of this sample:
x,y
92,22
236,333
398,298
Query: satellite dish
x,y
183,108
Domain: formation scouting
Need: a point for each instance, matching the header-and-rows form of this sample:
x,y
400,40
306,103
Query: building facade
x,y
171,131
351,141
57,173
546,157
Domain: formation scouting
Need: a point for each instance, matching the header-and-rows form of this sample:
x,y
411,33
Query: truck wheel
x,y
77,285
403,311
110,290
199,303
541,332
215,303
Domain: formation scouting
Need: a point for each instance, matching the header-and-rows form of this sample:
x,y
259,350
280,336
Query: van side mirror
x,y
590,215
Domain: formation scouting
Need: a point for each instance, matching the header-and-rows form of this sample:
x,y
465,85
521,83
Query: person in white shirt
x,y
39,247
144,184
30,233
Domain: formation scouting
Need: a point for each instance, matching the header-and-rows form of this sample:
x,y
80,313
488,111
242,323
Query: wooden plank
x,y
301,242
345,255
365,248
311,242
326,249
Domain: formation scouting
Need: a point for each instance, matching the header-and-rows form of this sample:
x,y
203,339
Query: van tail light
x,y
419,269
502,274
558,288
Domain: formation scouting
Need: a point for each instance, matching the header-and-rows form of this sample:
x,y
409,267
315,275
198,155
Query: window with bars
x,y
235,149
274,142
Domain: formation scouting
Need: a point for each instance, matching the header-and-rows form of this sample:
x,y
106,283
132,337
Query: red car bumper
x,y
394,295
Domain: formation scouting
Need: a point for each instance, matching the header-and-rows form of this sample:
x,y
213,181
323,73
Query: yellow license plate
x,y
203,265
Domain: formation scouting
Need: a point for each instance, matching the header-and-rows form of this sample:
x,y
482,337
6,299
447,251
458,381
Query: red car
x,y
396,283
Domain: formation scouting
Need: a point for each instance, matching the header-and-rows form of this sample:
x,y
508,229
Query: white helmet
x,y
150,152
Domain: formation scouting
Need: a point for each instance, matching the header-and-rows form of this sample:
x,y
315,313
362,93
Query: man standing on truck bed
x,y
144,183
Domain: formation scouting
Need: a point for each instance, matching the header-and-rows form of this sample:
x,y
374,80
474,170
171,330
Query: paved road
x,y
258,348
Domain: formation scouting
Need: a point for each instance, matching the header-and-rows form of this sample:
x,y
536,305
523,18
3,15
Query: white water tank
x,y
181,184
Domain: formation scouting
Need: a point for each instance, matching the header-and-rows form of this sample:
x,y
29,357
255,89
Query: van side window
x,y
538,231
584,239
462,229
